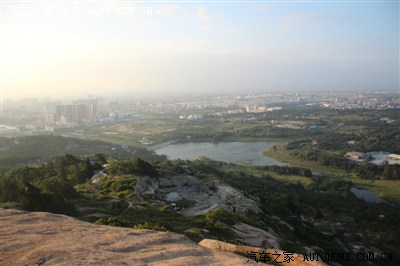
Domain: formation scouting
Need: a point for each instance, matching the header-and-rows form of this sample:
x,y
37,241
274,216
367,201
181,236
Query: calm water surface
x,y
234,152
366,195
381,156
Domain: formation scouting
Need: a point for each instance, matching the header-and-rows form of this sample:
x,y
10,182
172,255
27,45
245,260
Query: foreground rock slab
x,y
296,259
40,238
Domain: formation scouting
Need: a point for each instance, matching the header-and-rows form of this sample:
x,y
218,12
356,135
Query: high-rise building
x,y
90,106
65,111
91,109
79,112
49,118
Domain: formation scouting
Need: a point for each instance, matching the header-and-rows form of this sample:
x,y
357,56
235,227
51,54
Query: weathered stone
x,y
181,181
145,185
40,238
254,236
297,259
173,196
164,182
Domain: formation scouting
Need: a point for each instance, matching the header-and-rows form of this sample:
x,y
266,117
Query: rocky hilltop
x,y
207,195
41,238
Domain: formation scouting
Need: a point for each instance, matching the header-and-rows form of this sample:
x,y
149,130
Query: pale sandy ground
x,y
39,238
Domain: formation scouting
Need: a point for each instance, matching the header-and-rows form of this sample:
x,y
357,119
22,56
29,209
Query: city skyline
x,y
122,47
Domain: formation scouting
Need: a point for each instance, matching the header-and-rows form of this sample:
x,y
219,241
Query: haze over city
x,y
200,132
115,47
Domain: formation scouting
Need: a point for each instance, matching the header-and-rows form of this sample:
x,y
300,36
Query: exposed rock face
x,y
39,238
237,200
145,185
207,195
183,181
297,259
253,236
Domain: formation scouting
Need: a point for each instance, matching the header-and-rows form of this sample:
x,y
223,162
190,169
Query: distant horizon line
x,y
159,94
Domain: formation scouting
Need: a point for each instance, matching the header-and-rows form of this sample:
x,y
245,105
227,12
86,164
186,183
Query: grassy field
x,y
248,139
294,179
282,155
387,189
130,133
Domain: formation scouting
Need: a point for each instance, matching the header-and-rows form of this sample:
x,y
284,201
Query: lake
x,y
234,152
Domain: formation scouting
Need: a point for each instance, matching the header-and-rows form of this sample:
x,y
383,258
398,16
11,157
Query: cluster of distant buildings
x,y
191,117
8,130
69,114
253,109
43,114
360,102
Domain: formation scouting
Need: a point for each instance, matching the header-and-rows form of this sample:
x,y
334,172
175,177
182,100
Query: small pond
x,y
366,195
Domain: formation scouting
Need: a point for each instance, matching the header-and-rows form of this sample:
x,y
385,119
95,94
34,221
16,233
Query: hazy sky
x,y
95,47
